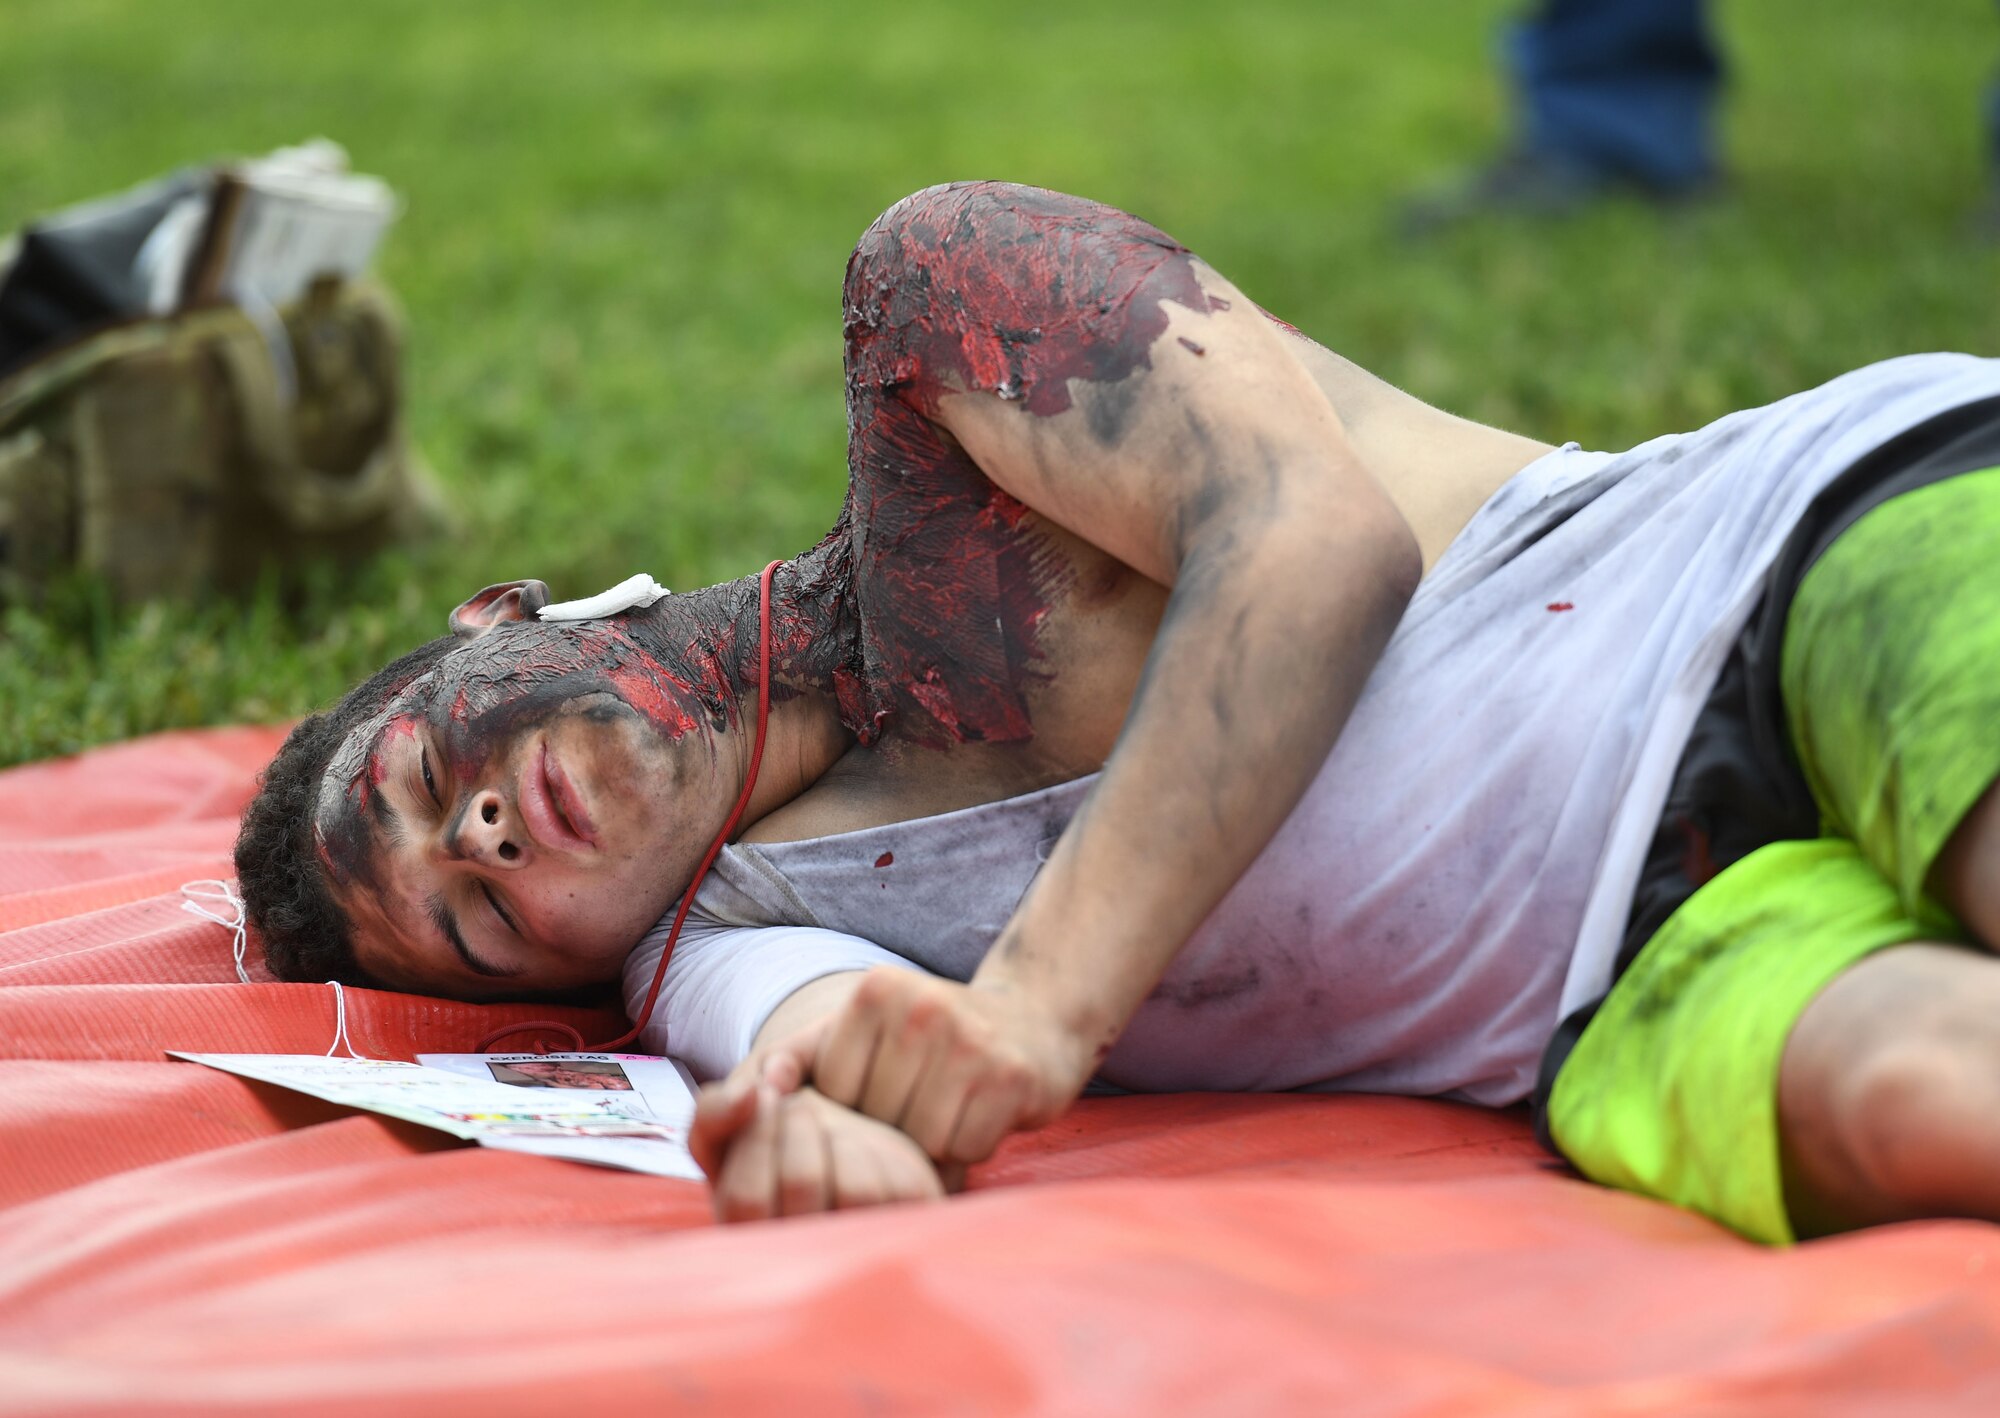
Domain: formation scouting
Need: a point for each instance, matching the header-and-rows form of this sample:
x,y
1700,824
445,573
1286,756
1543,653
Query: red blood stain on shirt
x,y
1560,606
885,859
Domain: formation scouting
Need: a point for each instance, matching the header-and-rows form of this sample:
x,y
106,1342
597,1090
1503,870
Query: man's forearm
x,y
1267,640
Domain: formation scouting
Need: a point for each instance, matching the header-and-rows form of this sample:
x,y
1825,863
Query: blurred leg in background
x,y
1612,96
1620,88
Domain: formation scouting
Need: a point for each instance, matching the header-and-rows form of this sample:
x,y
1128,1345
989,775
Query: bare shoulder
x,y
1051,402
1438,467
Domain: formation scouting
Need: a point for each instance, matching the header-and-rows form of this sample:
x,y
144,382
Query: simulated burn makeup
x,y
976,286
679,666
919,611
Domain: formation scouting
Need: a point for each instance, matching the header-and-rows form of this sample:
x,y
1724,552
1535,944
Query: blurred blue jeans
x,y
1628,87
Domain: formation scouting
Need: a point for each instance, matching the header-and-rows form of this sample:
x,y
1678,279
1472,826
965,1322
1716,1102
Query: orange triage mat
x,y
178,1240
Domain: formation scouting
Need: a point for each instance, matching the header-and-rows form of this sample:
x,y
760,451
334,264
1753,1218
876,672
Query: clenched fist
x,y
956,1067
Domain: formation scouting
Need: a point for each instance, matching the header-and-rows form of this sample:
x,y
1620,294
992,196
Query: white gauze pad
x,y
629,594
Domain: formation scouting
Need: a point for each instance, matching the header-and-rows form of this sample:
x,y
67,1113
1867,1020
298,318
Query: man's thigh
x,y
1889,1092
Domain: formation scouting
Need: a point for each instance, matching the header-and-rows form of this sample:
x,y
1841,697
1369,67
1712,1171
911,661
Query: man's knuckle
x,y
930,1135
878,986
839,1066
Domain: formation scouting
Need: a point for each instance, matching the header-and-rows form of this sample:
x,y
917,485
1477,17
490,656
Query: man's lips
x,y
551,805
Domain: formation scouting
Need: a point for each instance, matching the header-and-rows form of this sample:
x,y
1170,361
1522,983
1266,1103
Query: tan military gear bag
x,y
173,454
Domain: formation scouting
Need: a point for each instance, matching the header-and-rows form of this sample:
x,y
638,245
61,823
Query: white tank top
x,y
1459,873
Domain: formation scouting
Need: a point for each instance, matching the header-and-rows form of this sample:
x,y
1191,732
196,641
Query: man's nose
x,y
489,832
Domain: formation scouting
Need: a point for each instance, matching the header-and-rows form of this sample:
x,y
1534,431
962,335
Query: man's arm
x,y
1208,460
727,1106
800,1153
772,1149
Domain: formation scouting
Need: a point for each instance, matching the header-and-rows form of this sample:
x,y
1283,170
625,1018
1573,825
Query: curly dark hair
x,y
285,895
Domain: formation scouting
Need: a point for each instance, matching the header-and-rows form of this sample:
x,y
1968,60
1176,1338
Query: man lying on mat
x,y
1177,706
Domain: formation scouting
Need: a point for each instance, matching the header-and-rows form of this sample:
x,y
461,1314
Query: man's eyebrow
x,y
447,923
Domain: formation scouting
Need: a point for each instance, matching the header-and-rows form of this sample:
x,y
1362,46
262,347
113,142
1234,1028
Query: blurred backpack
x,y
197,380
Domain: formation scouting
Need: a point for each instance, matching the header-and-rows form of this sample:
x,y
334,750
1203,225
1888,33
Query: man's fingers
x,y
788,1064
939,1099
785,1068
858,1178
909,1176
724,1107
747,1189
847,1051
722,1111
724,1095
803,1170
840,1070
911,1047
990,1114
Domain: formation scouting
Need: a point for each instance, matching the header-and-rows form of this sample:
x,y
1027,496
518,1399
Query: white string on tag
x,y
217,901
203,898
340,1039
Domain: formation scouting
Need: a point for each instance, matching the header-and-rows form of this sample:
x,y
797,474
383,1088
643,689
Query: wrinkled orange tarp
x,y
176,1240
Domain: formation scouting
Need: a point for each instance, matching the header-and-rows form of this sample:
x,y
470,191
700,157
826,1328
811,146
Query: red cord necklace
x,y
708,858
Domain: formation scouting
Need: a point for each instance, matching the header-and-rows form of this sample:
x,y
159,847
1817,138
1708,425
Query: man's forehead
x,y
351,758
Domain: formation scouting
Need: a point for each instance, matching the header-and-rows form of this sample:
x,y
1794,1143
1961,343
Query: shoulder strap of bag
x,y
305,497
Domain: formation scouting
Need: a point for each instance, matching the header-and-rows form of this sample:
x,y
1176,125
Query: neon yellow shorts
x,y
1891,684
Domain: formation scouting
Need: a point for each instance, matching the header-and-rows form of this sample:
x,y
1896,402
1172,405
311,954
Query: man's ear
x,y
497,605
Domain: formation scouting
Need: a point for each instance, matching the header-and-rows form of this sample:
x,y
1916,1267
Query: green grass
x,y
627,224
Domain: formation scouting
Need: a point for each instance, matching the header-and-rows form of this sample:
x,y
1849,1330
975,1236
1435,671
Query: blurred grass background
x,y
627,224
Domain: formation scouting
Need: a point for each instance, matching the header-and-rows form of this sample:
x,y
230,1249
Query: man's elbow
x,y
1370,555
1326,553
